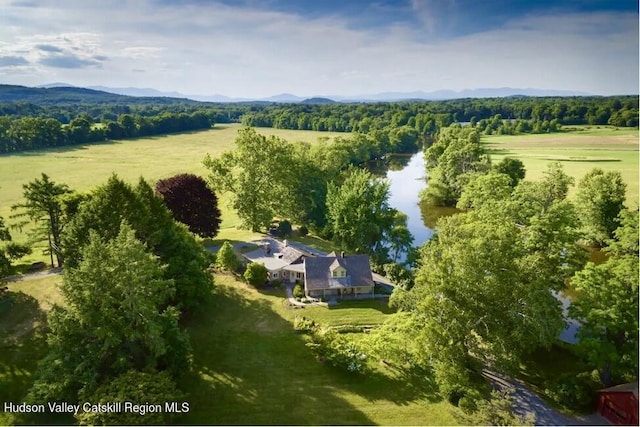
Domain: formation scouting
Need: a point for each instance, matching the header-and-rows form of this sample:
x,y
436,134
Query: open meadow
x,y
579,150
154,158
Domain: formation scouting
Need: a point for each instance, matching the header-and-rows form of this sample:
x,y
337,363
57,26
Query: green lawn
x,y
22,337
252,368
84,167
314,242
361,312
579,151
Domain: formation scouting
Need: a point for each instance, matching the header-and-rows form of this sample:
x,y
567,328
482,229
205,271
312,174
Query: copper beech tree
x,y
192,203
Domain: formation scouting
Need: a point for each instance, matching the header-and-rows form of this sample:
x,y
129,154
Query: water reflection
x,y
406,175
431,214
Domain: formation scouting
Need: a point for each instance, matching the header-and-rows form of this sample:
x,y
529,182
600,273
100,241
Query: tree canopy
x,y
256,173
192,203
361,219
226,258
600,199
108,205
451,162
607,307
114,320
483,291
44,206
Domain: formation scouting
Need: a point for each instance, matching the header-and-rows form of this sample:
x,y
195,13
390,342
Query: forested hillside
x,y
36,118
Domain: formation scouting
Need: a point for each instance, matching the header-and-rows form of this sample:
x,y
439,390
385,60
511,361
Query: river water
x,y
404,187
406,176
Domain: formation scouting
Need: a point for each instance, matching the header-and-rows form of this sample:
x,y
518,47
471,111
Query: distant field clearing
x,y
572,158
578,151
85,166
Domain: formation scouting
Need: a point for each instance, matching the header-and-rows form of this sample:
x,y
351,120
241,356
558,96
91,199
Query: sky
x,y
259,48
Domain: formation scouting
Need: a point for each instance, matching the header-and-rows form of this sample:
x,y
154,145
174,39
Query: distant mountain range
x,y
61,95
64,88
378,97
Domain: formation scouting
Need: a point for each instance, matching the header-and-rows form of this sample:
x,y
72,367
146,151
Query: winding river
x,y
406,179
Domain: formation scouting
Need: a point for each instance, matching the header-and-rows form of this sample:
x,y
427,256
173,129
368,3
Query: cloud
x,y
253,48
24,3
12,61
48,48
68,61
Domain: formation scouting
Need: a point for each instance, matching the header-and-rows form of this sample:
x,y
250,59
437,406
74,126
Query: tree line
x,y
28,126
429,116
33,133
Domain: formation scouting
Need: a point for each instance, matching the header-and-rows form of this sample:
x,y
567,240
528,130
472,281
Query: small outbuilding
x,y
619,404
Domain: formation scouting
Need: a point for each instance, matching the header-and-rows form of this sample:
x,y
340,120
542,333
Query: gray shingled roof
x,y
290,254
318,275
278,256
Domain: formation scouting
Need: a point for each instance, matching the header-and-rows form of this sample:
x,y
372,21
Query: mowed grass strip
x,y
357,313
252,368
578,151
154,158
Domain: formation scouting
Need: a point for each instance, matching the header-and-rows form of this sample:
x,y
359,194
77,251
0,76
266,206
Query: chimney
x,y
285,242
342,254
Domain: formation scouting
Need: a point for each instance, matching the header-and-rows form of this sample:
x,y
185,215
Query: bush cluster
x,y
302,324
575,391
298,291
336,350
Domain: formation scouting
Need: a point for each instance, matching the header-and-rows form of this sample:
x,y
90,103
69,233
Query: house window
x,y
338,272
298,275
274,274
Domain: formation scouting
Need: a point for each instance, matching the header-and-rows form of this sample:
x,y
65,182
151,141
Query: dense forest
x,y
33,118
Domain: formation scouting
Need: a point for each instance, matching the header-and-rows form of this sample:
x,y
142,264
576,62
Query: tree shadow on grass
x,y
22,344
402,387
250,367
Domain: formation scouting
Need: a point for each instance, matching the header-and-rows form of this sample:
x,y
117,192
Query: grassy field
x,y
579,151
22,339
84,167
250,367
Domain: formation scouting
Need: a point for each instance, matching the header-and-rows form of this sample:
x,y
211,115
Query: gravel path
x,y
32,276
525,401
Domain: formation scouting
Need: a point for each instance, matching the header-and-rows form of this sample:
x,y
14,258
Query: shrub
x,y
298,291
302,324
303,231
256,274
497,411
226,258
284,228
575,391
276,283
337,351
